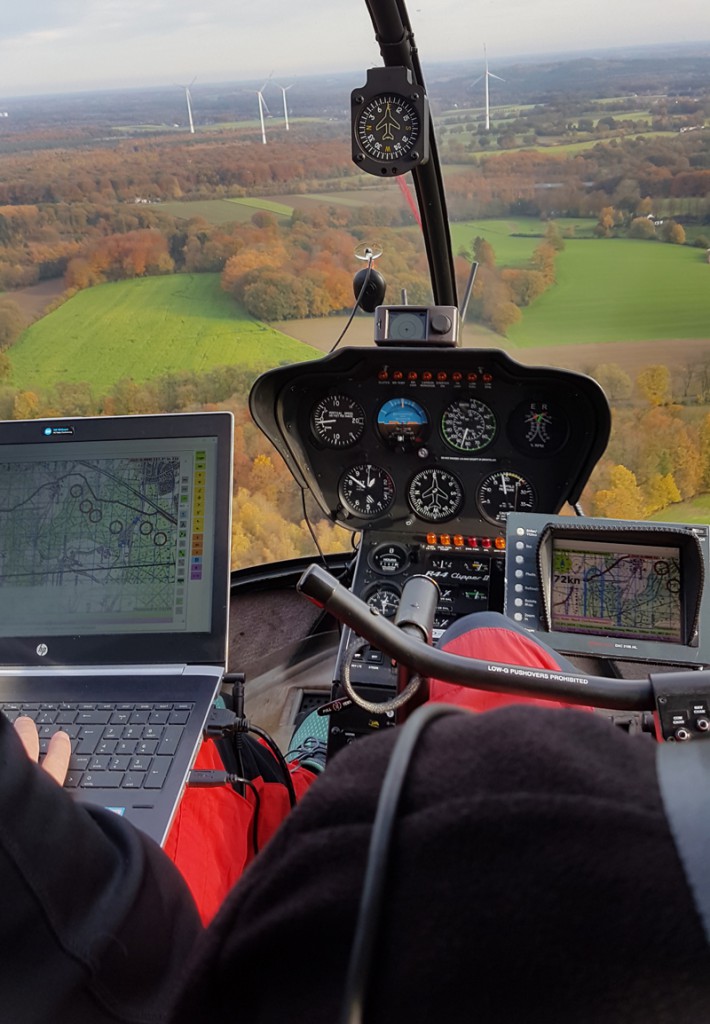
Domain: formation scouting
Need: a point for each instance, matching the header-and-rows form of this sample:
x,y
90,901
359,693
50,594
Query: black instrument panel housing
x,y
282,403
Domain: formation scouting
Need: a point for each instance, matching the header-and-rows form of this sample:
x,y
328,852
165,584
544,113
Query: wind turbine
x,y
188,100
263,107
486,75
284,89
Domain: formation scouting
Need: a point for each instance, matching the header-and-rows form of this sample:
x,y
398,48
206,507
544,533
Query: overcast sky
x,y
64,45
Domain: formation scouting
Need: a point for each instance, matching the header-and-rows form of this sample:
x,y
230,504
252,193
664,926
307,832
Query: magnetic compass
x,y
390,122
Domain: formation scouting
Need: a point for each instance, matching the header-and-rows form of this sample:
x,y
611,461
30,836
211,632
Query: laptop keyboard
x,y
114,746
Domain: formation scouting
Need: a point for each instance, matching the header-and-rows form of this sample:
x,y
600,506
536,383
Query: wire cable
x,y
288,781
374,707
309,524
369,914
358,300
210,778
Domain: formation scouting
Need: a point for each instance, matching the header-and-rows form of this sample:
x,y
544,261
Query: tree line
x,y
659,450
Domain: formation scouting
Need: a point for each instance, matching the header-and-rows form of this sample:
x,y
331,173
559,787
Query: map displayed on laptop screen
x,y
107,536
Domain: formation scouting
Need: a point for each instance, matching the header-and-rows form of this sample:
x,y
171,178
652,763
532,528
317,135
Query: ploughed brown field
x,y
631,356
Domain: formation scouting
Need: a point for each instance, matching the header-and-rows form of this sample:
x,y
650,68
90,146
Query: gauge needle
x,y
502,481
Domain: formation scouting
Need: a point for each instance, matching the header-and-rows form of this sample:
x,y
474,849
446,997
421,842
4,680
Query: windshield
x,y
179,211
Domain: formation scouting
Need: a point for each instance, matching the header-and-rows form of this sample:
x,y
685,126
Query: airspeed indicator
x,y
468,425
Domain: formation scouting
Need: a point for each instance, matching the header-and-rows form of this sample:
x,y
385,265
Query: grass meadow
x,y
696,510
607,289
143,329
225,211
620,290
514,239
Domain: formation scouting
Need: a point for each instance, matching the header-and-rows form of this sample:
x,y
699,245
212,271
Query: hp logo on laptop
x,y
42,649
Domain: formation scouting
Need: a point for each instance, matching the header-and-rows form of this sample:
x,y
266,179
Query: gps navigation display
x,y
606,588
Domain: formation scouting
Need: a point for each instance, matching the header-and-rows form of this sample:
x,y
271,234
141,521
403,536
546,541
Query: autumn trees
x,y
499,293
11,321
659,452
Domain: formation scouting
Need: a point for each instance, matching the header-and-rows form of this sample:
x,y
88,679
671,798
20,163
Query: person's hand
x,y
56,761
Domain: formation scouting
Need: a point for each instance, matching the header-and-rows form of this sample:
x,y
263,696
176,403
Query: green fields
x,y
608,289
264,204
620,290
504,235
514,239
145,328
696,510
215,211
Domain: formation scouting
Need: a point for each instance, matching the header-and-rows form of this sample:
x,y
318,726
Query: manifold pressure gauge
x,y
390,123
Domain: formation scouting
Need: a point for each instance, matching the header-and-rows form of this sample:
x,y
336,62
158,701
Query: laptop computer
x,y
114,593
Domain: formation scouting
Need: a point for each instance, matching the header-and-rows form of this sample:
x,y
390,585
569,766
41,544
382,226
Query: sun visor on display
x,y
610,588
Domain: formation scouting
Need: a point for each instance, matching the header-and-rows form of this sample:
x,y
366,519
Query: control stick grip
x,y
417,607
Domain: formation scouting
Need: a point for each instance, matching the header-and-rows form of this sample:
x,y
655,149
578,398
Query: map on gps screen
x,y
605,588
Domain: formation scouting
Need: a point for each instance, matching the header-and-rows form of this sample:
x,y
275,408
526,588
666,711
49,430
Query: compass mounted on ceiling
x,y
390,123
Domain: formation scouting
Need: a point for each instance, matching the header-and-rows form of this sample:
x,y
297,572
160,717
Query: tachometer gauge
x,y
384,597
338,421
502,493
468,425
538,428
402,422
435,495
366,490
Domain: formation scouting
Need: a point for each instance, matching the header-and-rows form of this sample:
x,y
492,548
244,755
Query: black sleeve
x,y
96,923
533,878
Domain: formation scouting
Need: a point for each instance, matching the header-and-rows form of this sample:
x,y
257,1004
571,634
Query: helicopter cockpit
x,y
454,464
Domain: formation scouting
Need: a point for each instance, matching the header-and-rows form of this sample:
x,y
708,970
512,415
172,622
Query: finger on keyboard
x,y
56,761
27,731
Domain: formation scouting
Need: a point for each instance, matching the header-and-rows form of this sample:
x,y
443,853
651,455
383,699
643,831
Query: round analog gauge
x,y
435,495
338,421
388,127
402,423
389,558
366,491
384,597
538,428
468,425
502,493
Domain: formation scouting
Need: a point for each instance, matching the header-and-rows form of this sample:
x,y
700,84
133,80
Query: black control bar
x,y
596,691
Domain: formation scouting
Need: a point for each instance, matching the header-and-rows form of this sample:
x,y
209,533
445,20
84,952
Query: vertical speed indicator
x,y
338,421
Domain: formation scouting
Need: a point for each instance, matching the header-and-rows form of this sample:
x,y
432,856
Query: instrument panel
x,y
417,439
427,451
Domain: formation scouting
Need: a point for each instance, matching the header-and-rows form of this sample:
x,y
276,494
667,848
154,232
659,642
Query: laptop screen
x,y
114,528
